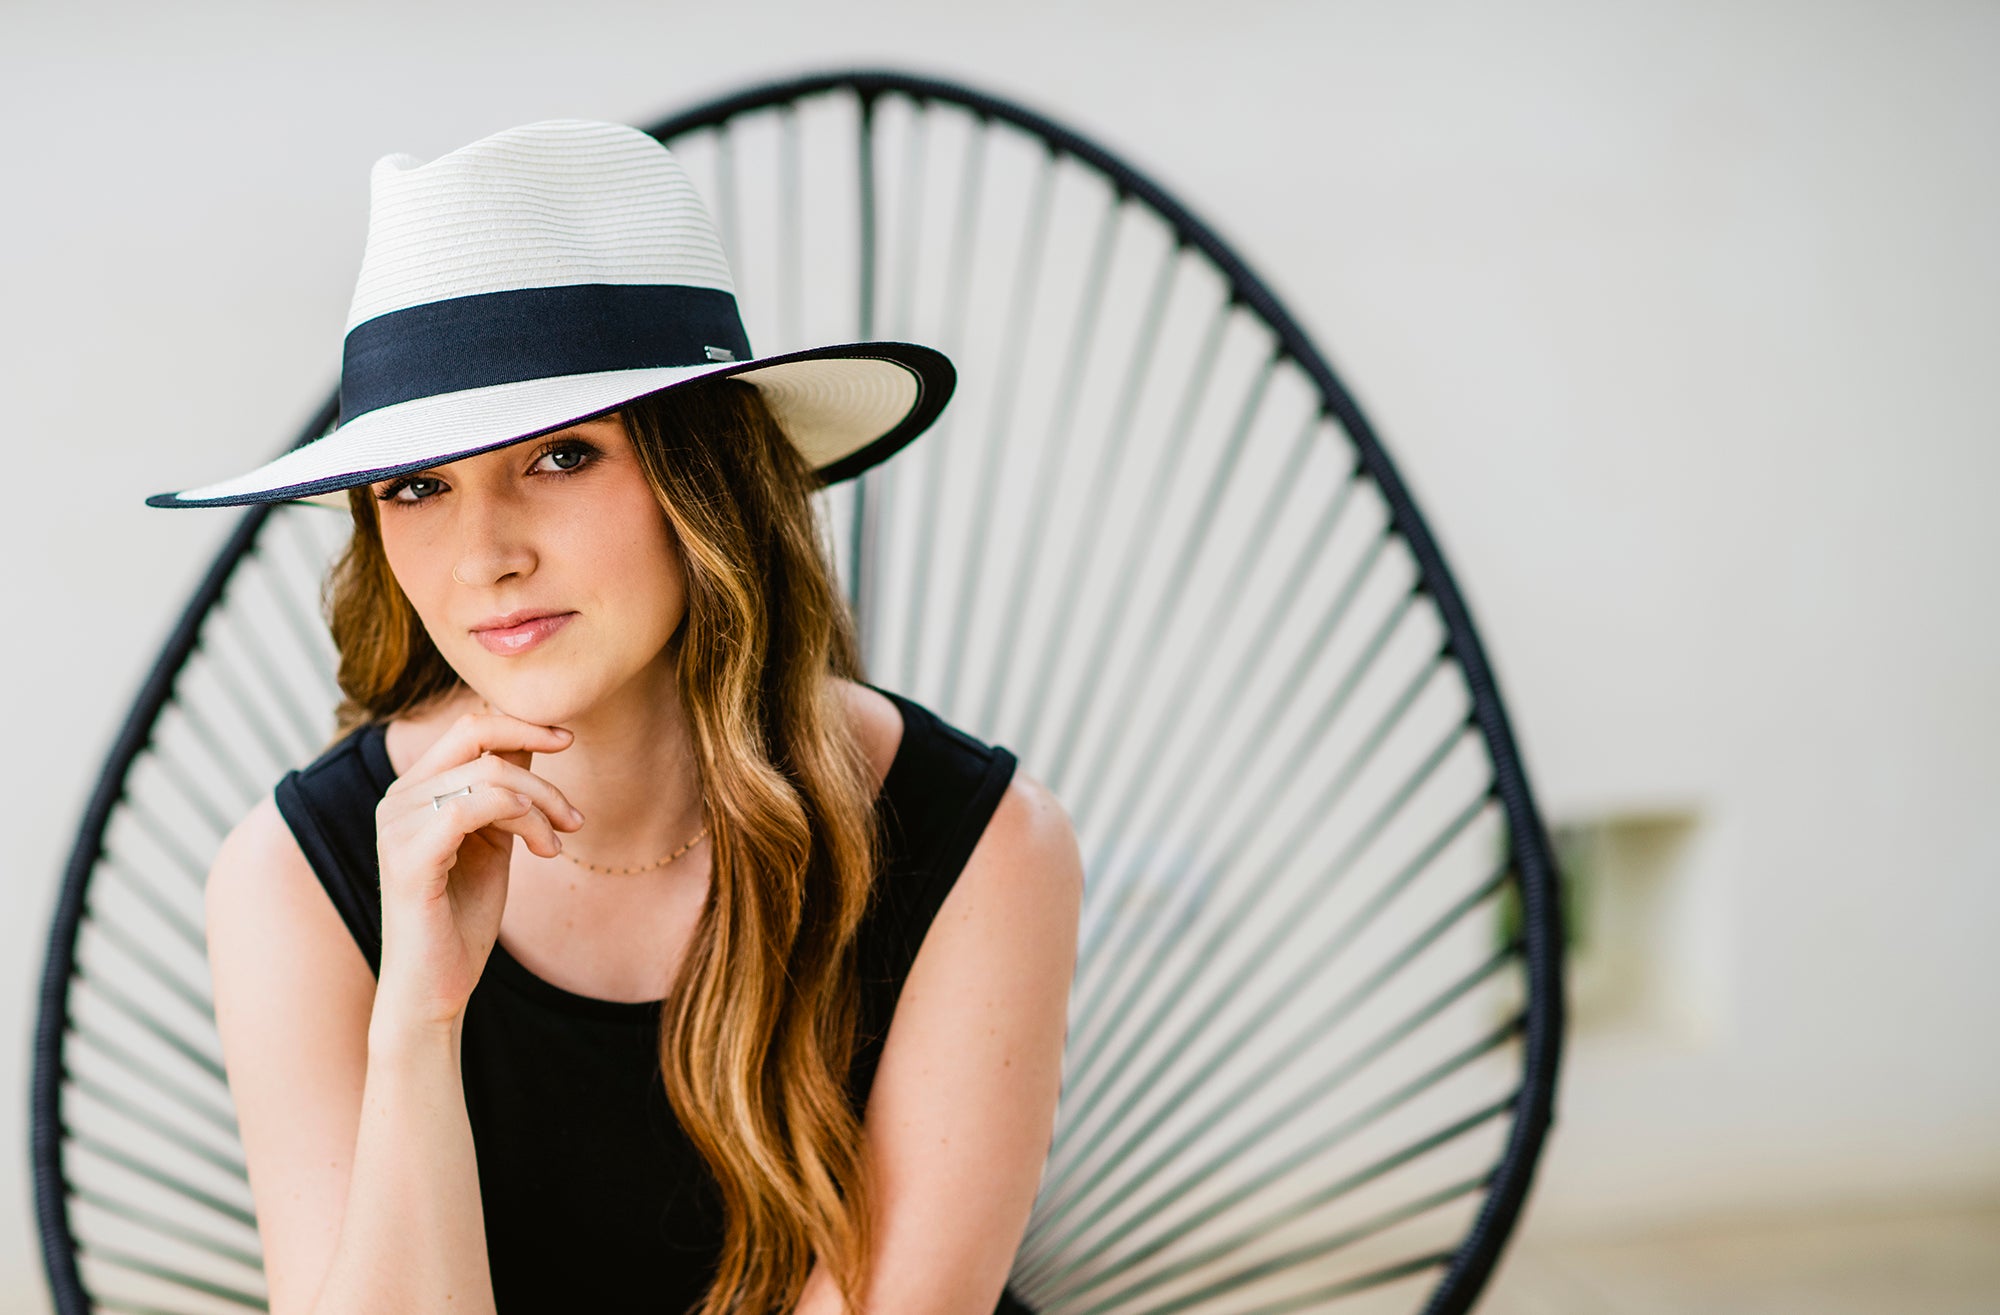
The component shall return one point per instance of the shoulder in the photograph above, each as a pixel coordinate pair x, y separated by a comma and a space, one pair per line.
1013, 908
275, 940
877, 722
261, 880
1002, 946
1028, 854
1026, 827
259, 846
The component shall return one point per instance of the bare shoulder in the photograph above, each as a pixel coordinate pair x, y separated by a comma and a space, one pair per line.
1029, 848
1019, 896
279, 953
271, 924
878, 724
259, 873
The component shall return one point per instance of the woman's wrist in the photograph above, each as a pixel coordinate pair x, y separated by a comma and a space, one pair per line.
394, 1031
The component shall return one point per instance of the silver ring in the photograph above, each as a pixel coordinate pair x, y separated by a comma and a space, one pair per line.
437, 800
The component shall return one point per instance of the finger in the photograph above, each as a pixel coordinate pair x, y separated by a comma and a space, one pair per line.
525, 820
427, 839
534, 829
492, 732
491, 769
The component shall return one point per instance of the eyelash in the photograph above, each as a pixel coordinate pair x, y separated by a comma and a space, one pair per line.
588, 450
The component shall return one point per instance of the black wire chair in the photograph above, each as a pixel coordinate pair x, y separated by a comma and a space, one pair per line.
1153, 547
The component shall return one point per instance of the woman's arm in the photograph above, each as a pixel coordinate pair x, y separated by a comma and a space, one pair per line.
962, 1111
419, 1242
335, 1110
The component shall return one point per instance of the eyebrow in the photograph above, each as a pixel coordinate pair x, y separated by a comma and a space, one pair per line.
574, 429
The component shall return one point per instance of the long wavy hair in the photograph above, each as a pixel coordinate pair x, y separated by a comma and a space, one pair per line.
758, 1034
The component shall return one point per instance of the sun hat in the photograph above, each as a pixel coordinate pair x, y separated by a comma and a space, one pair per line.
548, 274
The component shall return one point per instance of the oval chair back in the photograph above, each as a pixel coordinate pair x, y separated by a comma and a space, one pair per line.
1153, 547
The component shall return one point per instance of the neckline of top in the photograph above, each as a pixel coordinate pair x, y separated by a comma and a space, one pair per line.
515, 974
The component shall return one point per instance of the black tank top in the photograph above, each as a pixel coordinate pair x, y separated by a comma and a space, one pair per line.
594, 1198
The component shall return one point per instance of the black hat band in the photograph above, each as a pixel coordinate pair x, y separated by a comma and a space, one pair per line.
493, 338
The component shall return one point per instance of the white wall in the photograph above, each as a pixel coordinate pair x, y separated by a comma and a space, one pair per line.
1679, 318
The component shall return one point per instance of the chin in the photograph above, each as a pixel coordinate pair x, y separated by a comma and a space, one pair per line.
555, 694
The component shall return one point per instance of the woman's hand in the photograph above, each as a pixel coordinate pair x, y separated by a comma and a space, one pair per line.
444, 867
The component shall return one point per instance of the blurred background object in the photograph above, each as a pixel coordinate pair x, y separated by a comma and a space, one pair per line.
1673, 317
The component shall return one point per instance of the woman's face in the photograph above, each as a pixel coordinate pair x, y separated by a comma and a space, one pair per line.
561, 535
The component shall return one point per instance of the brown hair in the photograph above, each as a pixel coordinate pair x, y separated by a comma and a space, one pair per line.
757, 1036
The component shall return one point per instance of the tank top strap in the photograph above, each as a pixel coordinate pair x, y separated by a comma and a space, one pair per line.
330, 806
941, 790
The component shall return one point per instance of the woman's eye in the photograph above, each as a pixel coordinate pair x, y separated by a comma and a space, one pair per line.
568, 457
419, 486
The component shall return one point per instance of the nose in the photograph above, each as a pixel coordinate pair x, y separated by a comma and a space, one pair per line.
492, 546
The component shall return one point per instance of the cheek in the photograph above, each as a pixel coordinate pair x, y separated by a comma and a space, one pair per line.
417, 569
655, 543
629, 549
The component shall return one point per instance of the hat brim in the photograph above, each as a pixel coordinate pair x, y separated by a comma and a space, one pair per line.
846, 408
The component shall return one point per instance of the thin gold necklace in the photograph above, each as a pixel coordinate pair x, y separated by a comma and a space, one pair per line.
657, 863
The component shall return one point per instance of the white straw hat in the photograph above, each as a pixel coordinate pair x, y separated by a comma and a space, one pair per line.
548, 274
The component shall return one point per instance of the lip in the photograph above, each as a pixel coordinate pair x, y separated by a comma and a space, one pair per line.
517, 632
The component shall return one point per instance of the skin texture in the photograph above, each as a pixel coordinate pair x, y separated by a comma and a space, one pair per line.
367, 1105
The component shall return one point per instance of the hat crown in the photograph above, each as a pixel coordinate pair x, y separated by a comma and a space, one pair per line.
547, 274
558, 203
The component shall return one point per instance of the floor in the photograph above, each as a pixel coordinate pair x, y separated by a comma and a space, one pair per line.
1943, 1263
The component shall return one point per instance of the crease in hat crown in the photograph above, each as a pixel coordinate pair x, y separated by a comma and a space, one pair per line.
557, 203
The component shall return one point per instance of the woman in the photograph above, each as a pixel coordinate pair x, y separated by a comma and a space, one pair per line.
695, 972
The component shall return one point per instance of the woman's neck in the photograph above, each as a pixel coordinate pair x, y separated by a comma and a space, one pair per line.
632, 772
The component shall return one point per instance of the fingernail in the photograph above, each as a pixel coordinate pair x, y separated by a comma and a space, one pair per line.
522, 799
575, 813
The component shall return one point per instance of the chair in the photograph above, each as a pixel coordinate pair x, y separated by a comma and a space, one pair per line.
1153, 547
